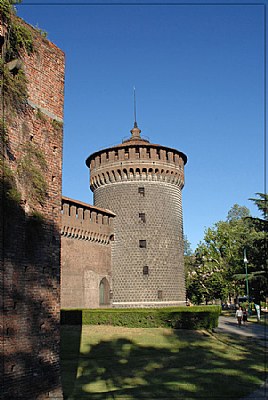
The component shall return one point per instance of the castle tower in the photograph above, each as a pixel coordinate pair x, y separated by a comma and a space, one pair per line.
141, 183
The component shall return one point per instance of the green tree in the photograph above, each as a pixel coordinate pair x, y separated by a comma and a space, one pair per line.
219, 258
256, 249
194, 286
205, 280
237, 212
217, 268
257, 252
262, 204
187, 246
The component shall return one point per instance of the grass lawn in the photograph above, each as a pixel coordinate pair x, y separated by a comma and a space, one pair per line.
105, 362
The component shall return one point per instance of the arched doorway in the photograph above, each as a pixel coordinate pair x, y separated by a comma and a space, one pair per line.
104, 292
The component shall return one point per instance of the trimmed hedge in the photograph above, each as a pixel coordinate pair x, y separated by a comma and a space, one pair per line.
195, 317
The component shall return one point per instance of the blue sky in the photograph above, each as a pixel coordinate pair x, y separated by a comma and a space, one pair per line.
199, 77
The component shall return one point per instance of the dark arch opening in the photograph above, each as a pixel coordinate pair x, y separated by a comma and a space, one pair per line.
104, 292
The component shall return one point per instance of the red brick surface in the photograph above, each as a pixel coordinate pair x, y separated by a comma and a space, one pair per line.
30, 251
85, 255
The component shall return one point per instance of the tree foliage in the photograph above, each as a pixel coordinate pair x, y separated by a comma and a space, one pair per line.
7, 9
237, 212
262, 204
187, 246
217, 268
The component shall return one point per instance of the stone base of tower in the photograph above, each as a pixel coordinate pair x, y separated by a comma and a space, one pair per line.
148, 304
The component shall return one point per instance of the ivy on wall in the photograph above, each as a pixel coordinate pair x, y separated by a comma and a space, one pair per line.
6, 10
12, 195
14, 88
56, 125
3, 131
18, 38
32, 165
30, 170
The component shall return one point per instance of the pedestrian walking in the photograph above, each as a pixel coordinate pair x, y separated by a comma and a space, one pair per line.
239, 315
245, 316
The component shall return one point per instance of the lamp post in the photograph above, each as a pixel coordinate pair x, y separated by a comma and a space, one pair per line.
247, 289
246, 268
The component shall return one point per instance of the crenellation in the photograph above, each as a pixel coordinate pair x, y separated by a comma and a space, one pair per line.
177, 159
163, 155
129, 155
111, 156
103, 158
132, 153
99, 219
94, 217
170, 156
87, 215
80, 213
73, 211
143, 153
121, 154
66, 209
84, 213
153, 154
97, 161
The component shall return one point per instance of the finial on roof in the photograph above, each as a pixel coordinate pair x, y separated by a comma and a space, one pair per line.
135, 132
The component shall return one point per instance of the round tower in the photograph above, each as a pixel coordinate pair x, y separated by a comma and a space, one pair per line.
141, 183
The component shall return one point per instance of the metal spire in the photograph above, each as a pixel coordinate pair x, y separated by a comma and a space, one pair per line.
135, 131
135, 119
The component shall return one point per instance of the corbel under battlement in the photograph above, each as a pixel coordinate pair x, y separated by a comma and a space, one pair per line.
86, 222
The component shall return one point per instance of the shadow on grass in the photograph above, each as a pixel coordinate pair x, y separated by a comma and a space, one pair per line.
69, 351
189, 366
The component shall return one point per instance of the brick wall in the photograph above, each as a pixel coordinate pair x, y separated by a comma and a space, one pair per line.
160, 207
30, 246
85, 255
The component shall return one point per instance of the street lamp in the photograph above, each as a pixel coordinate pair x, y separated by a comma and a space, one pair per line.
246, 268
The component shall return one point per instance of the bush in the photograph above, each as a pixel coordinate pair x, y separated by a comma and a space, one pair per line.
195, 317
71, 317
